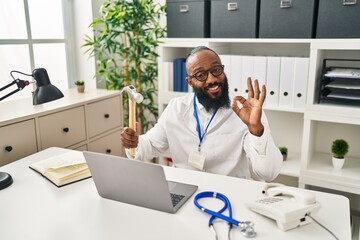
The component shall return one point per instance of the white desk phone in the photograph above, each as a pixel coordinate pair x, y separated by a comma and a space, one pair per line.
289, 206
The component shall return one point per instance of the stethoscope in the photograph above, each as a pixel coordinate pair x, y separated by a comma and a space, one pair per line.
246, 227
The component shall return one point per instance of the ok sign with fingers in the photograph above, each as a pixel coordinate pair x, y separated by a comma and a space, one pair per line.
251, 110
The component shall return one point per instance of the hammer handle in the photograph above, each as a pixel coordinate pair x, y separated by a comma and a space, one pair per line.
132, 119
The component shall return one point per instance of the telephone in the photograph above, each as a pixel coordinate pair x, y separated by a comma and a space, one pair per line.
289, 206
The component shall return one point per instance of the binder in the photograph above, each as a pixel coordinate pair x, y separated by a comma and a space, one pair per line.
260, 67
184, 84
236, 75
272, 81
247, 71
177, 79
286, 82
226, 61
300, 81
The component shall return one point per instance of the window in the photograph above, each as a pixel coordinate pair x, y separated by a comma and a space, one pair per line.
34, 34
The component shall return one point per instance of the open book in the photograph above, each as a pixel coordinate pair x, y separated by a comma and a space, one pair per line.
64, 168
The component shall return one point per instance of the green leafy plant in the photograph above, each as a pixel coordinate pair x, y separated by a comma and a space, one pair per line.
283, 150
79, 82
126, 36
339, 148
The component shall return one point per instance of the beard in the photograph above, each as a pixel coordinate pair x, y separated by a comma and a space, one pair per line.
210, 103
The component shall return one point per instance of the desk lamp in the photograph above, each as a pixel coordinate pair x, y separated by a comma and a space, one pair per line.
44, 92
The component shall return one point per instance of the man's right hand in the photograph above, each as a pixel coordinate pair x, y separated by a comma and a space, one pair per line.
129, 138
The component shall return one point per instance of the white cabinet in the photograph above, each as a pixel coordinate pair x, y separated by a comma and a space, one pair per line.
83, 121
307, 131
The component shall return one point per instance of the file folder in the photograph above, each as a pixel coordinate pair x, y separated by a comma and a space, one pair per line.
300, 81
272, 81
286, 82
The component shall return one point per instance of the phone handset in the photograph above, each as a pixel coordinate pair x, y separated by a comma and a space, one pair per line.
300, 195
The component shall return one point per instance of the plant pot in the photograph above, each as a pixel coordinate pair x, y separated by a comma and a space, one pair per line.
284, 157
338, 163
80, 88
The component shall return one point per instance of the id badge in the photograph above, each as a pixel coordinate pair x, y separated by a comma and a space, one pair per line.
196, 160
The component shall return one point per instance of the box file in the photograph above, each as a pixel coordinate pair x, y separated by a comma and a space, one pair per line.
234, 18
236, 76
287, 18
272, 81
188, 19
338, 19
300, 82
286, 82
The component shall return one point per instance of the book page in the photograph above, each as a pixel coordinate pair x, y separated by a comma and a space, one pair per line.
59, 161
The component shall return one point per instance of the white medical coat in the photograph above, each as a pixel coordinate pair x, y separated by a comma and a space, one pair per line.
229, 147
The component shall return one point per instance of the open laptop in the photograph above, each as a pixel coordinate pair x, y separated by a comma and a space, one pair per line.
136, 182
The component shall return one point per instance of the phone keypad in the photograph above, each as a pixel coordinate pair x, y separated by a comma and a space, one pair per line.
270, 200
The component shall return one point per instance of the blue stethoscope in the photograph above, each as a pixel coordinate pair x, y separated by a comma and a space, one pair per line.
246, 227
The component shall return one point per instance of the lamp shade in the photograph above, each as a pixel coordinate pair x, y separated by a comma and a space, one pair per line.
45, 91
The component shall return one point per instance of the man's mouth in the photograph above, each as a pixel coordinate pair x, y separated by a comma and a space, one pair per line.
214, 88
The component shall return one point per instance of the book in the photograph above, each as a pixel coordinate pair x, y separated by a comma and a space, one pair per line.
64, 168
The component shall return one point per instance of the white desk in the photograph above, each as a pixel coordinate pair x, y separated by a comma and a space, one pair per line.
34, 209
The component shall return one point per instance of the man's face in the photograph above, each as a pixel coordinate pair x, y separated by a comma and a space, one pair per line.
212, 93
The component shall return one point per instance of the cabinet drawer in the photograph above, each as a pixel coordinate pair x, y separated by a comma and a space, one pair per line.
104, 115
17, 141
63, 129
109, 144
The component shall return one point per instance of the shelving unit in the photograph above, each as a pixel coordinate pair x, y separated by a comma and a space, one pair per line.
308, 132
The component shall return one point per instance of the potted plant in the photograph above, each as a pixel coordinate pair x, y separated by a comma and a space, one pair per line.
284, 152
339, 149
124, 45
80, 85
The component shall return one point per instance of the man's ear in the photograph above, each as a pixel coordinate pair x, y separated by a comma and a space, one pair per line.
189, 81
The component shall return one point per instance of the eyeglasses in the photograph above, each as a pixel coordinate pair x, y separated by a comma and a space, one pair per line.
202, 76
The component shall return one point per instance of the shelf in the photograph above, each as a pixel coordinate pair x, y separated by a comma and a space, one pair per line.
291, 167
320, 172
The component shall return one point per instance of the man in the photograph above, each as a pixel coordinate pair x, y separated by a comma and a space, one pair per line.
202, 132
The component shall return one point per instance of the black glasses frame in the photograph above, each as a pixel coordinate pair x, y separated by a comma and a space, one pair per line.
211, 70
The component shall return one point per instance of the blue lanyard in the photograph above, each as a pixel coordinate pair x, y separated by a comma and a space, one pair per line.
246, 227
201, 136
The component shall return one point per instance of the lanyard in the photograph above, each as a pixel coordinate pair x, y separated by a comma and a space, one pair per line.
201, 136
246, 227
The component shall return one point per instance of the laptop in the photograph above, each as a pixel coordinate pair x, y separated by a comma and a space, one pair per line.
136, 182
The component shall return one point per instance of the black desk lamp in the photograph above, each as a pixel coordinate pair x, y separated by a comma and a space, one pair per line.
44, 92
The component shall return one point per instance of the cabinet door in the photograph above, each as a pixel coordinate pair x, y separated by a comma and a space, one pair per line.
17, 141
63, 129
104, 115
109, 144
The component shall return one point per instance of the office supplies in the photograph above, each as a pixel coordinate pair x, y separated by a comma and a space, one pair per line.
289, 206
63, 169
245, 227
136, 182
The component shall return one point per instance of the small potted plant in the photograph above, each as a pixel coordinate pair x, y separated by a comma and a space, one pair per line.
339, 149
80, 84
284, 152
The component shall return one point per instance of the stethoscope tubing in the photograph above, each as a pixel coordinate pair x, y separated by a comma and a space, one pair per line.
218, 214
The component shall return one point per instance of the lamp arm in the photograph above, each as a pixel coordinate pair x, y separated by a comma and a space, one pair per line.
20, 84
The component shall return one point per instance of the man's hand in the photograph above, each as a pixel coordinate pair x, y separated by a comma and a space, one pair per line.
129, 138
251, 110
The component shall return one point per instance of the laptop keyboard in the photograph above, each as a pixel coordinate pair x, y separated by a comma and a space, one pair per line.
176, 198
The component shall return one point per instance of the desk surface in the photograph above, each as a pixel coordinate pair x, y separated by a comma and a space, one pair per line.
33, 208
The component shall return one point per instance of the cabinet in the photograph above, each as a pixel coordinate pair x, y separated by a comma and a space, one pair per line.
307, 131
87, 121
